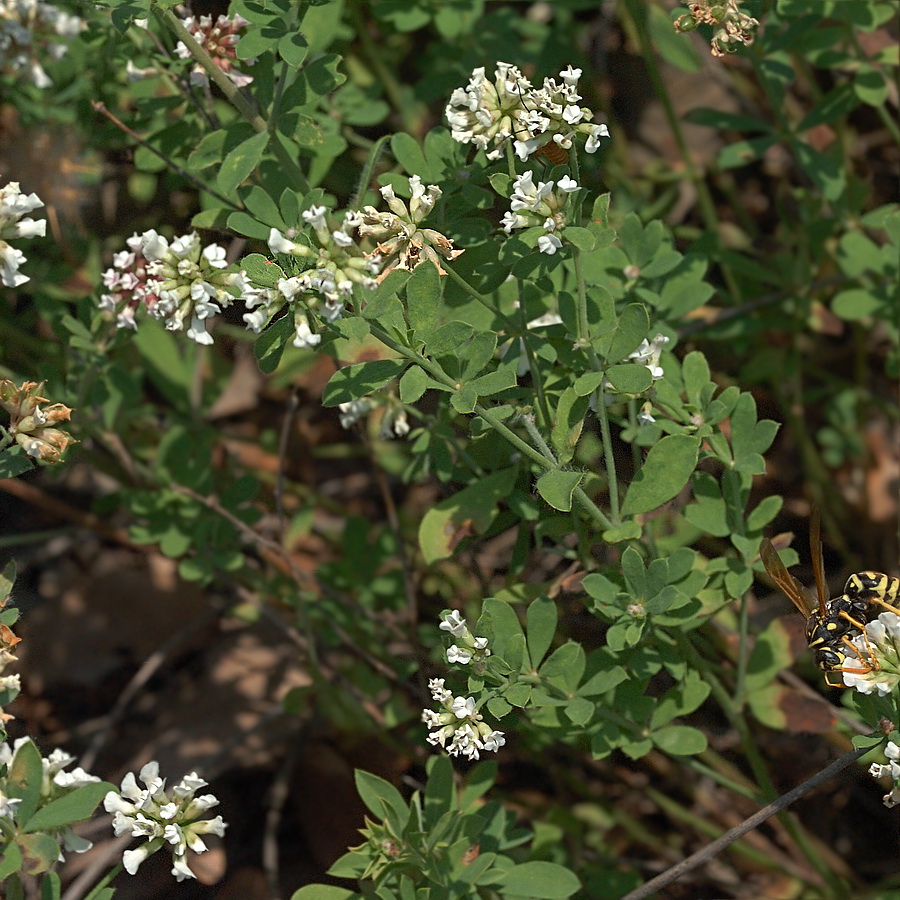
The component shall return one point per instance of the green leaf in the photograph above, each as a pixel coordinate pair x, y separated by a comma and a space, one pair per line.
469, 511
440, 793
557, 487
7, 580
381, 798
464, 400
10, 862
709, 513
539, 879
23, 781
409, 154
14, 461
582, 238
501, 379
40, 852
566, 663
739, 153
826, 174
413, 384
676, 49
540, 627
423, 298
293, 48
568, 423
270, 345
870, 85
261, 271
627, 531
663, 474
680, 740
353, 382
630, 330
449, 337
770, 654
630, 378
477, 354
322, 74
325, 892
240, 162
580, 711
500, 624
857, 303
73, 807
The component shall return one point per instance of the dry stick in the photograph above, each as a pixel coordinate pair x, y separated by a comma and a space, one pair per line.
390, 508
710, 850
277, 798
41, 499
284, 437
100, 107
151, 665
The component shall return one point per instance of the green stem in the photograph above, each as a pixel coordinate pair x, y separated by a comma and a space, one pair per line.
637, 12
537, 376
755, 758
608, 456
508, 324
545, 462
234, 96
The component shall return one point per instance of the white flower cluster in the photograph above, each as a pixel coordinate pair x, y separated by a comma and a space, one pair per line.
489, 113
126, 282
468, 647
732, 27
13, 205
28, 31
55, 783
460, 723
34, 426
648, 354
892, 769
879, 657
394, 421
402, 243
218, 39
539, 205
184, 279
338, 264
163, 818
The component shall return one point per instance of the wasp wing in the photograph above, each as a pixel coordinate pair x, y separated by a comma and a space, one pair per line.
815, 550
792, 588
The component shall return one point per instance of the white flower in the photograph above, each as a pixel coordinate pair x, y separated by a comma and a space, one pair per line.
877, 669
454, 623
352, 411
549, 244
13, 206
457, 655
649, 352
162, 817
304, 337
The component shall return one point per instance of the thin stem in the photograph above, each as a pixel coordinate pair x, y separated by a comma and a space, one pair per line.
754, 821
100, 107
637, 12
235, 96
608, 456
484, 301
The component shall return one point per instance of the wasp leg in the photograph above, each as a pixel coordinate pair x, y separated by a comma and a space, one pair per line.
845, 640
887, 606
870, 663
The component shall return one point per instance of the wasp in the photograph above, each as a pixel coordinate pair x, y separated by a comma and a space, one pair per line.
830, 624
874, 588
